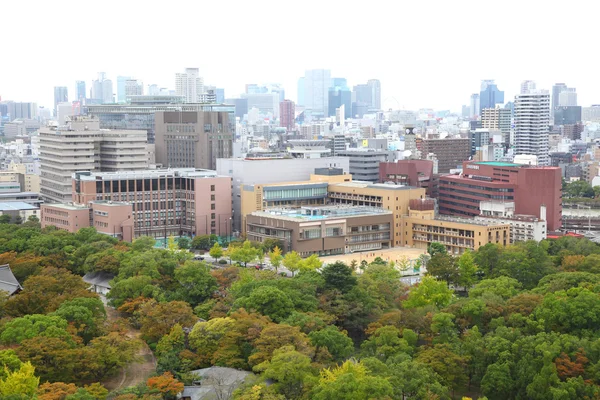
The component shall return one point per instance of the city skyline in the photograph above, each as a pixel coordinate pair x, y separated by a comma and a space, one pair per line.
421, 82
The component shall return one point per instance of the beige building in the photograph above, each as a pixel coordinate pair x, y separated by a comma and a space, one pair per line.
323, 230
82, 146
420, 228
110, 218
192, 139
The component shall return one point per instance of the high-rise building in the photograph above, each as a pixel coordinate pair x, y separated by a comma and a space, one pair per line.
193, 139
80, 91
567, 98
339, 94
526, 86
102, 89
497, 119
287, 115
133, 87
60, 96
316, 90
300, 91
474, 106
450, 152
190, 85
266, 103
364, 163
557, 88
17, 110
489, 96
567, 115
375, 87
220, 92
121, 88
532, 123
82, 146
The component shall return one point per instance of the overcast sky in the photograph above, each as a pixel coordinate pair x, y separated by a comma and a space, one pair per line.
426, 53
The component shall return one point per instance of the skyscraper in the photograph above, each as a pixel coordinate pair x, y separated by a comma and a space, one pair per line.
300, 91
567, 98
102, 89
121, 88
60, 96
81, 94
489, 95
526, 86
287, 114
532, 121
339, 95
133, 87
190, 85
375, 86
499, 119
474, 106
316, 90
557, 88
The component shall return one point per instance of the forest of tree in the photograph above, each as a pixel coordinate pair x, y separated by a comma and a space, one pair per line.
521, 322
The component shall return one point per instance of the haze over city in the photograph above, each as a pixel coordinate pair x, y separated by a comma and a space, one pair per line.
431, 54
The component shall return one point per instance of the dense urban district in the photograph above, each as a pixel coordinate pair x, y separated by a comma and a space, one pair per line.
502, 322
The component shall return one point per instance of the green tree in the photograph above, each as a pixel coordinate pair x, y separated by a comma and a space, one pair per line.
196, 282
269, 301
443, 326
413, 380
435, 248
339, 276
184, 242
337, 343
385, 343
502, 286
443, 266
245, 253
311, 263
580, 188
33, 218
30, 326
467, 270
269, 244
204, 242
132, 288
86, 314
216, 251
5, 219
275, 257
22, 382
428, 292
351, 381
497, 383
292, 262
291, 371
447, 364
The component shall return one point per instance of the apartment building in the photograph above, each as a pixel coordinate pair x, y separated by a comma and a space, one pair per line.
82, 146
497, 119
323, 230
450, 152
167, 202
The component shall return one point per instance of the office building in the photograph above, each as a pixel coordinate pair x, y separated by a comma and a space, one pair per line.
193, 139
121, 83
528, 187
567, 98
367, 95
18, 110
240, 107
498, 119
323, 230
416, 173
80, 91
375, 87
287, 115
557, 88
266, 103
567, 115
263, 170
522, 227
532, 122
139, 113
190, 85
449, 152
339, 95
166, 202
102, 89
490, 95
591, 114
480, 137
474, 106
82, 146
60, 96
421, 228
527, 86
364, 162
133, 87
316, 90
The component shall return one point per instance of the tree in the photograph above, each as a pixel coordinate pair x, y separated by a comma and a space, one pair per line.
497, 383
436, 248
184, 242
33, 218
291, 371
311, 263
131, 288
275, 257
5, 219
269, 244
580, 188
274, 336
113, 352
269, 301
443, 267
22, 382
443, 325
196, 282
351, 381
292, 261
86, 314
166, 385
411, 379
244, 254
428, 292
157, 318
385, 343
467, 270
8, 362
216, 251
55, 391
337, 343
447, 364
339, 276
30, 326
206, 336
502, 286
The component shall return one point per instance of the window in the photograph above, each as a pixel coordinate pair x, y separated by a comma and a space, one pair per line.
212, 206
212, 188
212, 216
212, 197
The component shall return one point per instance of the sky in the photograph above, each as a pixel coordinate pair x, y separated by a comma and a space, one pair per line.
427, 54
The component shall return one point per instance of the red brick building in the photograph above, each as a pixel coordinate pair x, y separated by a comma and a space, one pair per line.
417, 173
528, 186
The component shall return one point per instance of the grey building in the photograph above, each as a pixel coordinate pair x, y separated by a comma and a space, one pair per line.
60, 96
567, 115
80, 91
489, 95
192, 139
364, 163
479, 138
270, 170
339, 94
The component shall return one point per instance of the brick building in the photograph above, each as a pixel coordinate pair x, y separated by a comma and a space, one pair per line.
450, 152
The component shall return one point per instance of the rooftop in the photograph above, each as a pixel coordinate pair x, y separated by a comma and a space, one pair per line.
16, 206
470, 221
68, 206
364, 184
321, 213
153, 173
8, 282
498, 164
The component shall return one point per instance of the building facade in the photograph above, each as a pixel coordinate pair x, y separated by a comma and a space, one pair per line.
532, 122
190, 85
323, 230
316, 89
287, 115
497, 119
450, 152
192, 139
490, 95
364, 162
61, 95
416, 173
528, 187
